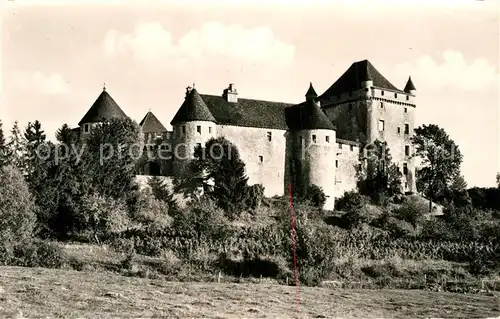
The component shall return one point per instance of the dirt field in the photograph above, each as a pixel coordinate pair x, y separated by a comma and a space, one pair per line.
28, 292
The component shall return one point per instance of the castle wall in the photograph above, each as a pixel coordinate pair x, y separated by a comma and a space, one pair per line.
252, 143
346, 164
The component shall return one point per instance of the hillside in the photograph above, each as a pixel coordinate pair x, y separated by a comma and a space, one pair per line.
39, 292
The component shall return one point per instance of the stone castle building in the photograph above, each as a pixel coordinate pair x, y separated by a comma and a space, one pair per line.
320, 141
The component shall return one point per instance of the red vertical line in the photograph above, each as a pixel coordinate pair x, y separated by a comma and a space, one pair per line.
294, 249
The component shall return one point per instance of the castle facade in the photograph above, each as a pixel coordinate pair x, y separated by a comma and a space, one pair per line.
320, 141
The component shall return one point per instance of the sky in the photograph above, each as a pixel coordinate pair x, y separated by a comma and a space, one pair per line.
56, 57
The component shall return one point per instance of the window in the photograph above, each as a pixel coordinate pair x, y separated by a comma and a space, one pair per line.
407, 150
198, 129
381, 105
261, 158
209, 130
327, 138
407, 128
336, 163
407, 97
381, 125
86, 128
399, 130
340, 146
382, 93
395, 95
406, 110
405, 168
351, 147
183, 130
314, 138
269, 136
406, 184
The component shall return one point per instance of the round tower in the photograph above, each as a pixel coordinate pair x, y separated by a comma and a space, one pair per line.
314, 152
410, 90
193, 126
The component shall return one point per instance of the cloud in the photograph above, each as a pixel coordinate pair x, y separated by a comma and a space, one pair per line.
46, 84
150, 42
453, 71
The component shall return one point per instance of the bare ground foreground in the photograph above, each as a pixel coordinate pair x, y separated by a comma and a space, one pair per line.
37, 292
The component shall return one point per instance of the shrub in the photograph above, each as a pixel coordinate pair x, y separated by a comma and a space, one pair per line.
151, 211
102, 216
253, 197
203, 219
40, 253
351, 201
412, 211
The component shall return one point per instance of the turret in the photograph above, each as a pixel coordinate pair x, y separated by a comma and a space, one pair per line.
312, 139
410, 87
193, 125
104, 108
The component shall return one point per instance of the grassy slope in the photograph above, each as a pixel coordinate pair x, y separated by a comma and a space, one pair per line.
62, 293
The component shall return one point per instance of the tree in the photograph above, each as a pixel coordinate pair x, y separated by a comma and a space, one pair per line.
441, 159
17, 217
110, 156
66, 135
218, 169
17, 148
161, 191
379, 177
3, 148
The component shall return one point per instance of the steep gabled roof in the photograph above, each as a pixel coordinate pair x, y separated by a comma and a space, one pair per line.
409, 86
103, 108
193, 109
151, 124
247, 112
352, 78
307, 116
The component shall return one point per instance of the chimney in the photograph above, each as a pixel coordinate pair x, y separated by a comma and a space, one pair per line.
230, 94
188, 90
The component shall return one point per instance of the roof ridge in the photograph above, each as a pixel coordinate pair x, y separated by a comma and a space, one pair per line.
249, 99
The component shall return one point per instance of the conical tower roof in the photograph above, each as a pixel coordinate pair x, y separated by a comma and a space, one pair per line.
193, 109
151, 124
103, 108
409, 86
307, 116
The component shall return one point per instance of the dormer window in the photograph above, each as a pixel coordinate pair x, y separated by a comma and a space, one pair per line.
86, 128
395, 95
382, 93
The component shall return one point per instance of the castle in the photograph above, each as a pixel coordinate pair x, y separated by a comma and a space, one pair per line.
317, 142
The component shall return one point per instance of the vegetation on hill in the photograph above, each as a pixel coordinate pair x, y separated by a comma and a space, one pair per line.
377, 238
